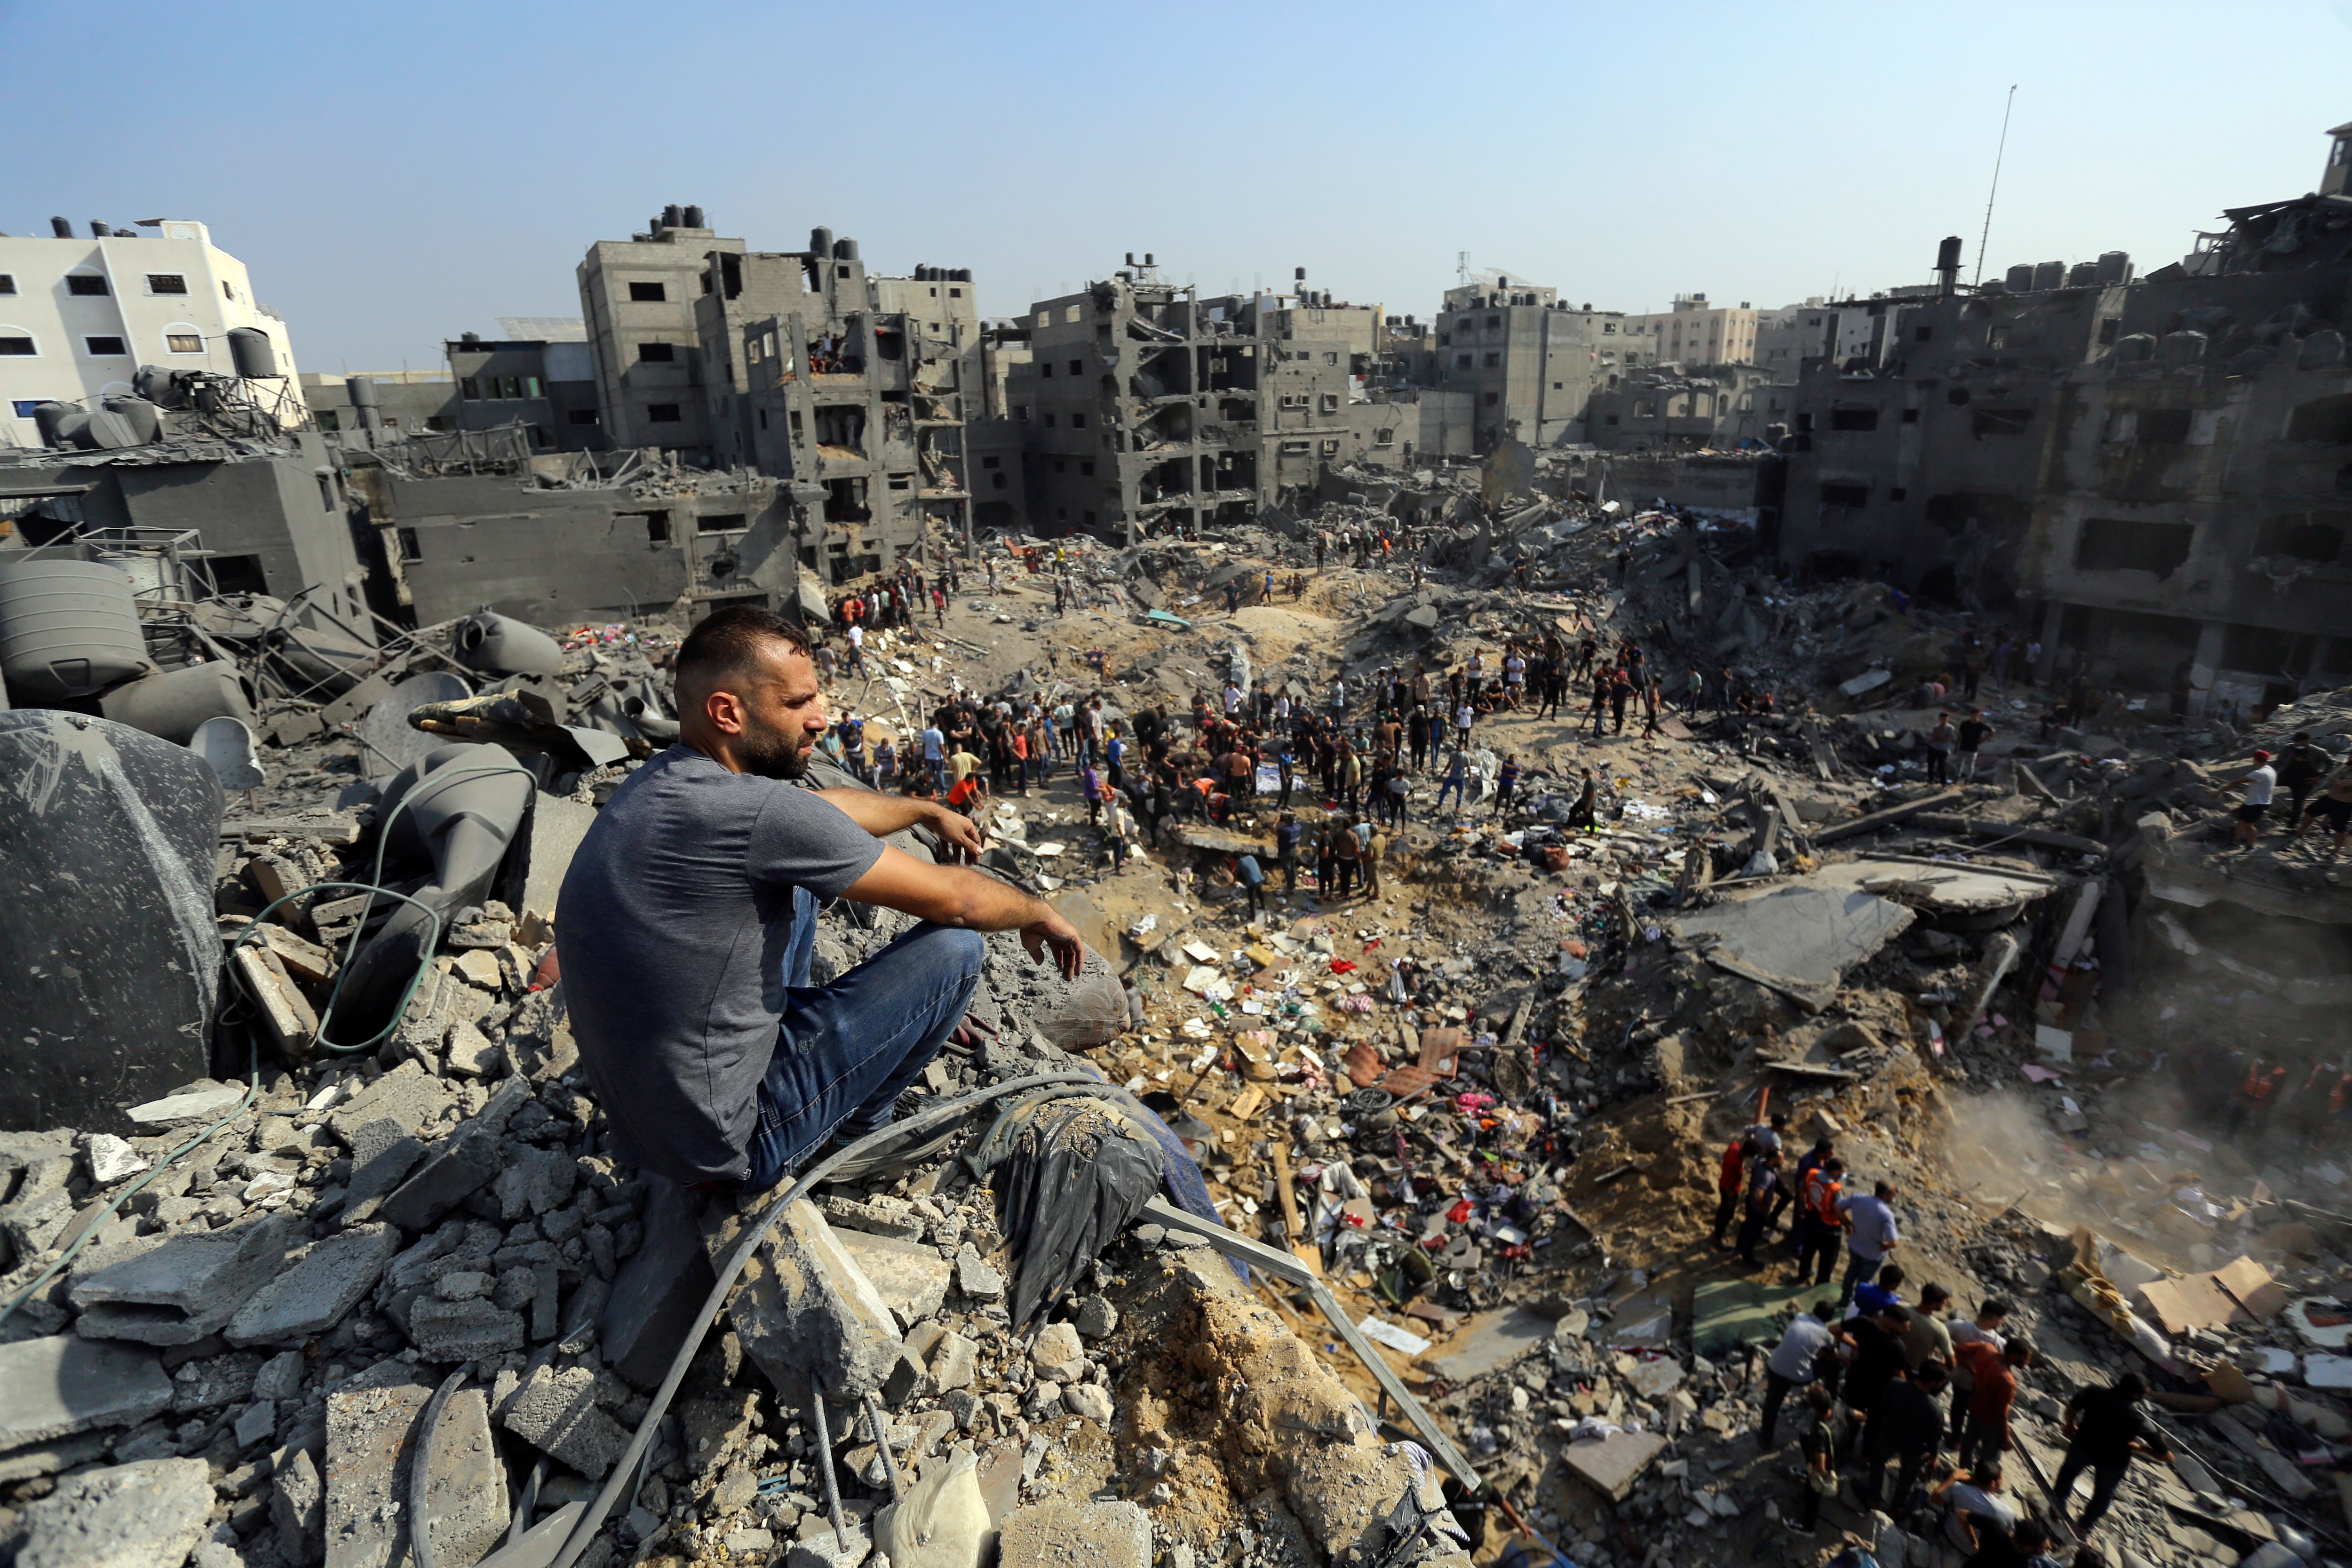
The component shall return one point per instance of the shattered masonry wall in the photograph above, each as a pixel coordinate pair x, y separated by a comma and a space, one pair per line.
1931, 464
2174, 491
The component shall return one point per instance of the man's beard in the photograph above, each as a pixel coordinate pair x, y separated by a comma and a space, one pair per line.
776, 753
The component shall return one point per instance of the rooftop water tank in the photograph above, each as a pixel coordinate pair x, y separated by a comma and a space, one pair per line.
2049, 274
2020, 279
821, 242
844, 250
67, 628
2082, 275
250, 352
2115, 266
694, 218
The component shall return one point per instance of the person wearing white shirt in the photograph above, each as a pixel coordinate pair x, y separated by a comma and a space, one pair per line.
2260, 783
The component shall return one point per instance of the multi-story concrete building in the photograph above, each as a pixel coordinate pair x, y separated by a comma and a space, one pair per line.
1696, 332
406, 400
1528, 360
2192, 529
80, 314
547, 387
1142, 407
1916, 456
1677, 408
854, 391
637, 297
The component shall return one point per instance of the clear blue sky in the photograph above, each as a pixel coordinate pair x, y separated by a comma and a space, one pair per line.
396, 174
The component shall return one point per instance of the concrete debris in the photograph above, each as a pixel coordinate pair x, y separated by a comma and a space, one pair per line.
1475, 1069
121, 1516
58, 1385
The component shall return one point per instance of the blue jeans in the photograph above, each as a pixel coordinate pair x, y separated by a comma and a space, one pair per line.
845, 1051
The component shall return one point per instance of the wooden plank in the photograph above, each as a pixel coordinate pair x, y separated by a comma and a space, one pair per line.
1889, 818
338, 830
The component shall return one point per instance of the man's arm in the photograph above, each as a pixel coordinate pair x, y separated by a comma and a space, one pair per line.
958, 896
883, 815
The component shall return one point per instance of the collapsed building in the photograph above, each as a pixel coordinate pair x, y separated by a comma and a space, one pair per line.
2149, 473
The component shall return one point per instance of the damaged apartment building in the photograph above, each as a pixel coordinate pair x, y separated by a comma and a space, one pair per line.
1139, 408
2154, 475
846, 389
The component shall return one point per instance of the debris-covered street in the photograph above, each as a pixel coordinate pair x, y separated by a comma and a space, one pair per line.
1368, 1213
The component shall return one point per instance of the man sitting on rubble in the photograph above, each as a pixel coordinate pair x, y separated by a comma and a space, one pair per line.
690, 912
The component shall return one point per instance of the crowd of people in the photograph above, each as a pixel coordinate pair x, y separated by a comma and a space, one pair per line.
1914, 1388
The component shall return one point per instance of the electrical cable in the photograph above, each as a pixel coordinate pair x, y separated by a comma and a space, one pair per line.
91, 1226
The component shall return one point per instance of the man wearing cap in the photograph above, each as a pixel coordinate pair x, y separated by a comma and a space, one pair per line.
2262, 784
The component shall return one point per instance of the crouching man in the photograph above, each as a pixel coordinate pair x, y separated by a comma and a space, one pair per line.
689, 913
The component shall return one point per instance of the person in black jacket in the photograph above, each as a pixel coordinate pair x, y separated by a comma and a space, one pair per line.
2103, 1429
1907, 1425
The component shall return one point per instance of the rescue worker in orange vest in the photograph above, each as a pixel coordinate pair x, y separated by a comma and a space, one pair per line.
2255, 1095
1818, 1220
1728, 1181
2336, 1095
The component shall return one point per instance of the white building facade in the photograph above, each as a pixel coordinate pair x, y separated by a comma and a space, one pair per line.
79, 315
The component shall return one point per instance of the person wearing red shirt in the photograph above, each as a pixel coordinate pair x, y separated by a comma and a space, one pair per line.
1987, 1437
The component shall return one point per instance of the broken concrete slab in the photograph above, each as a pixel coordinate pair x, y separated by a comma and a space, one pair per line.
196, 1105
1060, 1535
659, 1289
1488, 1341
458, 1165
558, 824
63, 1384
125, 1516
407, 1094
978, 1278
370, 1441
1613, 1464
469, 1329
1798, 939
187, 1288
315, 1293
383, 1155
804, 1306
911, 1279
466, 1489
298, 1508
556, 1413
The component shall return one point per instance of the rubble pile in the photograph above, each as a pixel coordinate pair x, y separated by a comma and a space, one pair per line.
1471, 1115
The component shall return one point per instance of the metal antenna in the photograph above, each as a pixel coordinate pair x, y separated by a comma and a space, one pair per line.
2007, 104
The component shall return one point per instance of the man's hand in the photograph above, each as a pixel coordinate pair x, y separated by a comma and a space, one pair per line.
962, 834
1054, 932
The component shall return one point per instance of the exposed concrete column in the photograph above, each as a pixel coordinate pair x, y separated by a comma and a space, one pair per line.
2203, 666
2053, 621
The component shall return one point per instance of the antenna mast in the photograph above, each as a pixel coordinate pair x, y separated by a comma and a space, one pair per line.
2007, 104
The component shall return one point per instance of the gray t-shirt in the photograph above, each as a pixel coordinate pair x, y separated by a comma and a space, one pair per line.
673, 924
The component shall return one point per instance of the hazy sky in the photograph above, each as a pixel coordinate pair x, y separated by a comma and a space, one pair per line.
396, 174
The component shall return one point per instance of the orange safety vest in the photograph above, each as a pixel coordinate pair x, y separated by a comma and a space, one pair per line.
2259, 1084
1822, 1192
2336, 1096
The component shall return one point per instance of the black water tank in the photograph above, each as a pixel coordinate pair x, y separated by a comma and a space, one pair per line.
844, 250
146, 420
821, 242
61, 227
98, 230
1947, 254
694, 218
962, 275
109, 832
673, 216
250, 352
